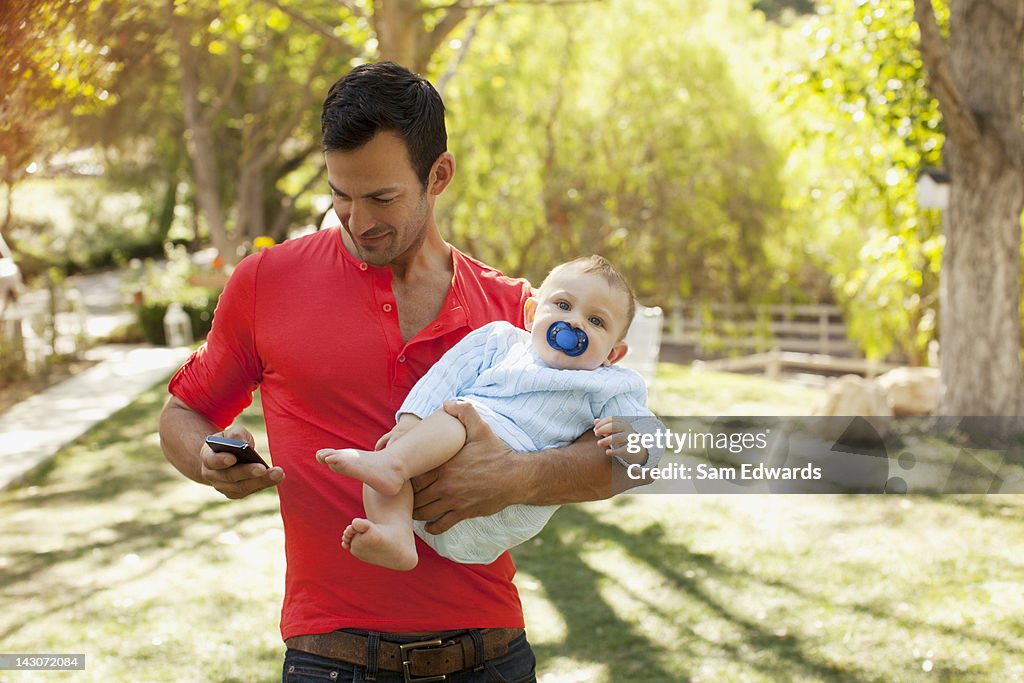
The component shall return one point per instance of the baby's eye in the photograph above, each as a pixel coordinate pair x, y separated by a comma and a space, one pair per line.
595, 321
564, 305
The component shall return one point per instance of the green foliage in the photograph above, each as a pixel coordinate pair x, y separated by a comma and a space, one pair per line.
712, 154
861, 125
641, 148
81, 224
49, 73
784, 9
161, 285
198, 304
13, 362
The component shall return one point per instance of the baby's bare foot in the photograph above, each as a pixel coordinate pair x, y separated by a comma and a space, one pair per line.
373, 468
380, 544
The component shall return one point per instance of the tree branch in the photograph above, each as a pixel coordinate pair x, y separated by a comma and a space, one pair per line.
452, 18
453, 66
296, 160
355, 9
961, 125
298, 109
318, 26
228, 87
284, 214
491, 4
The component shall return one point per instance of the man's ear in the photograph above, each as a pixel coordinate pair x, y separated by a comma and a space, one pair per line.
529, 313
617, 353
441, 173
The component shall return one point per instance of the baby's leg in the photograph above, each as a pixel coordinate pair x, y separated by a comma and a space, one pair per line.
428, 444
386, 538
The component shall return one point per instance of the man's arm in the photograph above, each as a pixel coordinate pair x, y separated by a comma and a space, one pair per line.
487, 476
183, 432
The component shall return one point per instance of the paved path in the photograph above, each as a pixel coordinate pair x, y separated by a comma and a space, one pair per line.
33, 431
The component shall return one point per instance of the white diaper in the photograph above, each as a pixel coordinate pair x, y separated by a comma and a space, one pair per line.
480, 540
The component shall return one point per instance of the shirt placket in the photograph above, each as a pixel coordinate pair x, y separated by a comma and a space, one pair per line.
387, 313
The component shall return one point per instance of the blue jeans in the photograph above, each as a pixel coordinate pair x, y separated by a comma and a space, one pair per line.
518, 665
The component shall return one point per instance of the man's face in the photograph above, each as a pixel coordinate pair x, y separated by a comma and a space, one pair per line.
382, 205
585, 301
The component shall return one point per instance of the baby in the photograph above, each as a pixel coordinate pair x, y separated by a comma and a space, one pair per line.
537, 389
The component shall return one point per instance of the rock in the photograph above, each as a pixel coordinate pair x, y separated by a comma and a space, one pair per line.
853, 396
911, 391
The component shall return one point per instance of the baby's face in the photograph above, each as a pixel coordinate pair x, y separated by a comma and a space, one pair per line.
587, 302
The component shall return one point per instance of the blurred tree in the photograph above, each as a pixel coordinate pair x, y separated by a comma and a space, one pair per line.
640, 148
861, 124
250, 75
784, 9
976, 75
47, 76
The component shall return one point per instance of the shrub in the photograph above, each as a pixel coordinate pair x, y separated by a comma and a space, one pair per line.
199, 308
157, 286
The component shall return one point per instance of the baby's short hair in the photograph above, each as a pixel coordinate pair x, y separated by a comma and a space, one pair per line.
601, 266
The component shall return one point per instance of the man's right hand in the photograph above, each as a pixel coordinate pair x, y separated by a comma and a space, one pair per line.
220, 470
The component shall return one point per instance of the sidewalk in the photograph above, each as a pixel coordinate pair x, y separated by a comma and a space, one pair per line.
34, 430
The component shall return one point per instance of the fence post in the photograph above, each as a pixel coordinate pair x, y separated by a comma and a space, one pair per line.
13, 361
823, 315
773, 368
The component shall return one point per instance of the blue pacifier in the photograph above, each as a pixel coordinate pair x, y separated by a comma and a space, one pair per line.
569, 340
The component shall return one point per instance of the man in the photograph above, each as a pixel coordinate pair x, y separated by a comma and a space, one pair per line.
335, 328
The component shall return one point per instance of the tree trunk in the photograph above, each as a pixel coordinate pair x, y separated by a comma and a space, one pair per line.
978, 79
402, 36
199, 142
251, 218
980, 291
8, 209
396, 23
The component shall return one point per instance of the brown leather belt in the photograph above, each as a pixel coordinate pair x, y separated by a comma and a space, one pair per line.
432, 658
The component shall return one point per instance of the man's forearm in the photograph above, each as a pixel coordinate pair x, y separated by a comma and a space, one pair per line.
182, 431
576, 473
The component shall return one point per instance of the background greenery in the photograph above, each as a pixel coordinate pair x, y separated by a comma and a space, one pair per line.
717, 151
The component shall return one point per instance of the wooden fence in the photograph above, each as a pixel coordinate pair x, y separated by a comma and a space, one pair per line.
734, 329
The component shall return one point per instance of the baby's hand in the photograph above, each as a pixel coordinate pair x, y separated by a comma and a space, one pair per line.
613, 433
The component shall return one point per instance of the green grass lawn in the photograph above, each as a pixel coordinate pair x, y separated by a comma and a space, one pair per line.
111, 553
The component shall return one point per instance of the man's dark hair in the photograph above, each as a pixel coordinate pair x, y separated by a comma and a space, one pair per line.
384, 96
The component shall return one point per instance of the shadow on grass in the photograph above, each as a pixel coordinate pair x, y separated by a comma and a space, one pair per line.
91, 481
137, 536
996, 506
574, 588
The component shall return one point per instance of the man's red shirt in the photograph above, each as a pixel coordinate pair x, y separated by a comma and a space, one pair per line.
316, 329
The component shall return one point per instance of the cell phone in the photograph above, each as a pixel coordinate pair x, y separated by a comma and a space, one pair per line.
242, 451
